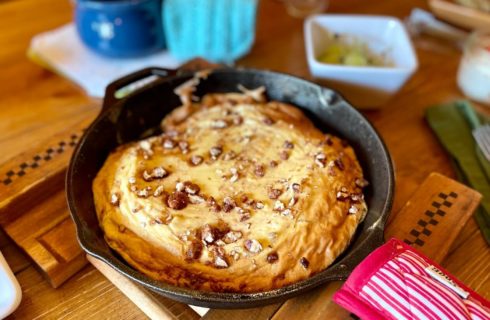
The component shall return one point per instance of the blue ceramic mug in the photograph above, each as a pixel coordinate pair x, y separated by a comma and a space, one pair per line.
120, 28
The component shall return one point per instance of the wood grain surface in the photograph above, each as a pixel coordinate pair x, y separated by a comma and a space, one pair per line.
34, 103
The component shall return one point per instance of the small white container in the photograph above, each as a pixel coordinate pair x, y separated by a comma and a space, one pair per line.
10, 293
366, 86
474, 68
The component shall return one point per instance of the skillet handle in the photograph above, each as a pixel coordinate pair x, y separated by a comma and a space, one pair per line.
131, 82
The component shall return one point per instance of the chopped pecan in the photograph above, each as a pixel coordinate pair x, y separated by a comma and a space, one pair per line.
279, 206
131, 180
195, 199
293, 201
230, 155
184, 146
328, 140
268, 121
143, 193
169, 143
272, 257
194, 251
321, 159
361, 183
253, 246
284, 155
274, 193
232, 236
244, 215
220, 262
288, 144
219, 124
215, 152
177, 200
158, 191
340, 164
213, 204
238, 120
115, 199
286, 212
296, 187
304, 262
191, 188
356, 197
259, 205
273, 164
156, 173
259, 170
209, 233
196, 160
343, 194
228, 204
353, 209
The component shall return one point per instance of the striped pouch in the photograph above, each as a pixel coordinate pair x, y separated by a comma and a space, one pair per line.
397, 282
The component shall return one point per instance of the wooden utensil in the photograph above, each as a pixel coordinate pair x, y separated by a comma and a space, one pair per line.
430, 221
460, 15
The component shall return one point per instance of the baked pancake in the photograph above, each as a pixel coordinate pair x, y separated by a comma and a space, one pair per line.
237, 195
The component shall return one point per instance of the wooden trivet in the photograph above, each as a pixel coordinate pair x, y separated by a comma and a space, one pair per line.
33, 210
430, 221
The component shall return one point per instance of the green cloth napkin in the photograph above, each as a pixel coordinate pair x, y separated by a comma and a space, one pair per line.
453, 124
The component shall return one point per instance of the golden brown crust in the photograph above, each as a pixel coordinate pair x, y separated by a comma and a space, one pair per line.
236, 196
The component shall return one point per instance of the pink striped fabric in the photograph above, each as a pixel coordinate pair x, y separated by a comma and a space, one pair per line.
394, 282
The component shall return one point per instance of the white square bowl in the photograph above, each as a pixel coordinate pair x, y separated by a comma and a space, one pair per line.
367, 86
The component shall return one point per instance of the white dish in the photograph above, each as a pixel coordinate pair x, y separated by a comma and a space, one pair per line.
366, 86
10, 293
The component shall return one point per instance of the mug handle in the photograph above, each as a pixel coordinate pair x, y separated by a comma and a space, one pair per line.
110, 92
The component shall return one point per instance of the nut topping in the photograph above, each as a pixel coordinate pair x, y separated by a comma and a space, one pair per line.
115, 199
321, 159
361, 183
279, 206
253, 246
208, 234
293, 201
273, 164
304, 262
177, 200
211, 202
356, 197
268, 121
196, 160
158, 191
169, 143
191, 188
157, 173
259, 170
131, 180
143, 193
353, 209
220, 262
284, 155
272, 257
288, 144
215, 152
184, 146
219, 124
195, 199
342, 195
338, 162
328, 140
274, 193
230, 155
259, 205
228, 204
232, 236
296, 187
238, 120
194, 251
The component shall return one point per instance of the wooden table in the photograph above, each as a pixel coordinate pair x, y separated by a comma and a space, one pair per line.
35, 102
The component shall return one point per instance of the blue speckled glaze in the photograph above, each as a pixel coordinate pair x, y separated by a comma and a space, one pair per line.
120, 28
217, 30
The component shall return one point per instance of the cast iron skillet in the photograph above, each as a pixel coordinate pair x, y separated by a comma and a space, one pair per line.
139, 115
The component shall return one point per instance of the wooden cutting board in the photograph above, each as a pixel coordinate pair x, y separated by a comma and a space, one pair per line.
430, 221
